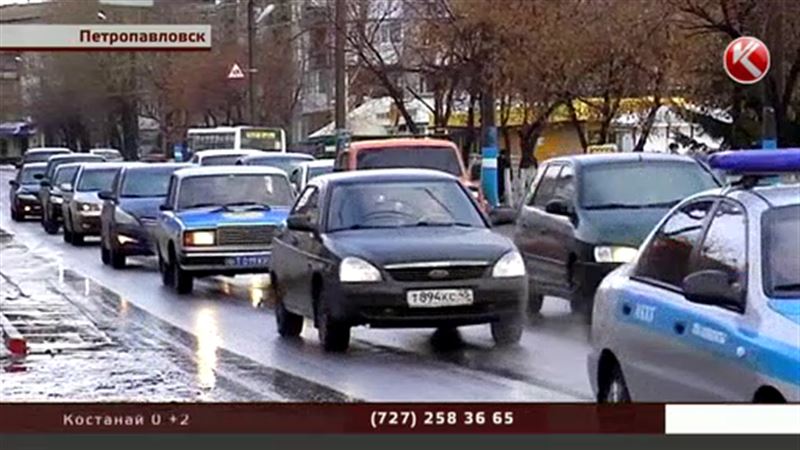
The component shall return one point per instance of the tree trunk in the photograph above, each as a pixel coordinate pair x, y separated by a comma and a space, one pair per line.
469, 142
578, 126
648, 125
130, 130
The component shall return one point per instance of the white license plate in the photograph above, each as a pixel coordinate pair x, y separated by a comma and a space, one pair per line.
436, 298
247, 261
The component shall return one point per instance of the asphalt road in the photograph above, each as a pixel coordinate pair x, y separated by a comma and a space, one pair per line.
233, 320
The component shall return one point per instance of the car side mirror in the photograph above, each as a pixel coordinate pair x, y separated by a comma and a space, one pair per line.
105, 195
558, 207
44, 184
13, 183
65, 187
712, 287
165, 207
300, 222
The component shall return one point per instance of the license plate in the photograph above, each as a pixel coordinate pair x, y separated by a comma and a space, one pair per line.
436, 298
247, 261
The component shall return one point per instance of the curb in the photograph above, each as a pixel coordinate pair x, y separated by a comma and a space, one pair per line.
12, 338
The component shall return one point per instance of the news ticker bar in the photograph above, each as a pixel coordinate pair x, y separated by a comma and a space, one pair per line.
395, 418
87, 37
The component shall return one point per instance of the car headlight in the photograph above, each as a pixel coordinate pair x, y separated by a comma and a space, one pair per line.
614, 254
88, 207
56, 200
510, 265
199, 238
356, 270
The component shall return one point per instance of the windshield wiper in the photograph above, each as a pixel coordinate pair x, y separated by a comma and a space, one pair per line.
249, 205
787, 287
203, 205
425, 223
627, 206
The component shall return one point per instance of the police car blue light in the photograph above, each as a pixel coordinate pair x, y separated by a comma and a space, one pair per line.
757, 161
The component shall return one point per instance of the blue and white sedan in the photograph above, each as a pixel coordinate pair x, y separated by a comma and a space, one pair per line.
710, 309
220, 221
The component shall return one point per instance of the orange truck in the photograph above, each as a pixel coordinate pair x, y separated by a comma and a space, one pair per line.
422, 153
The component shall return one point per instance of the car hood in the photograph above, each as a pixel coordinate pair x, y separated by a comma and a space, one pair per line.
141, 207
29, 189
211, 218
618, 226
408, 245
86, 197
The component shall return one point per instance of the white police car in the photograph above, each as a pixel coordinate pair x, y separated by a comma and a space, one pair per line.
710, 309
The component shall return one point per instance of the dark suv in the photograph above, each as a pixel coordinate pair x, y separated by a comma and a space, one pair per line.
585, 215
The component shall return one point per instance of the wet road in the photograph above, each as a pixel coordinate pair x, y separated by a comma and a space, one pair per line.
223, 340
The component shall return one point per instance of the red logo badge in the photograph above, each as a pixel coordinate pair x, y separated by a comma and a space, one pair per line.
746, 60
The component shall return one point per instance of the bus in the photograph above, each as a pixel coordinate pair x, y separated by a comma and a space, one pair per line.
259, 138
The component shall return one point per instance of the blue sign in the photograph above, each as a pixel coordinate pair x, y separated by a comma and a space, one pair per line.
489, 174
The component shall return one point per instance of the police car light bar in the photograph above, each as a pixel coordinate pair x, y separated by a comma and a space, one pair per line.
757, 162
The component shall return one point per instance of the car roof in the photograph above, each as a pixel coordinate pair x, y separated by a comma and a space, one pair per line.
48, 150
103, 150
75, 156
776, 195
34, 165
194, 171
383, 175
318, 163
401, 142
103, 165
146, 167
225, 152
278, 155
617, 158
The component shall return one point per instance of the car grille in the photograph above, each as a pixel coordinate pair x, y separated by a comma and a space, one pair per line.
255, 235
437, 273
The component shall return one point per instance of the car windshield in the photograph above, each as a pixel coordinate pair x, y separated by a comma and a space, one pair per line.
107, 153
234, 190
437, 158
53, 165
401, 204
96, 180
147, 183
781, 247
221, 160
285, 164
642, 184
27, 174
314, 172
65, 175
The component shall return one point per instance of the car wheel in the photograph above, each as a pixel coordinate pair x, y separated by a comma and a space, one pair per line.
117, 259
67, 233
507, 331
334, 336
166, 271
615, 390
289, 324
104, 254
50, 227
76, 239
535, 304
181, 280
15, 216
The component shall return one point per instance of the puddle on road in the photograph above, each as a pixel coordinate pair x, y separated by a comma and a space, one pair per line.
89, 344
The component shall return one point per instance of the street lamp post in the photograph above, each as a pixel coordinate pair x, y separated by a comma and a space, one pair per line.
251, 24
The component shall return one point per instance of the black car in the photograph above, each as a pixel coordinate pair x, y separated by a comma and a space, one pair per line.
587, 214
24, 193
42, 154
53, 195
394, 248
51, 215
130, 211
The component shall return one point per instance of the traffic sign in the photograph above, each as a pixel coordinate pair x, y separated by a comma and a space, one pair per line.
236, 72
746, 60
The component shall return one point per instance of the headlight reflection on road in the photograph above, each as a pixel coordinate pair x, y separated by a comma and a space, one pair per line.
207, 332
256, 296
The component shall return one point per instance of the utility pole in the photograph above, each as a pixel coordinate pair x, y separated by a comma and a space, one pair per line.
339, 67
251, 71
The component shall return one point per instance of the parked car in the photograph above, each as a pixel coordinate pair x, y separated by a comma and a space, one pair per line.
51, 214
587, 214
221, 157
42, 154
394, 248
82, 206
435, 154
220, 221
110, 154
24, 192
309, 170
130, 211
284, 161
708, 312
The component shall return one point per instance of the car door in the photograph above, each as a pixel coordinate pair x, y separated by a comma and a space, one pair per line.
296, 255
715, 351
649, 310
537, 235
